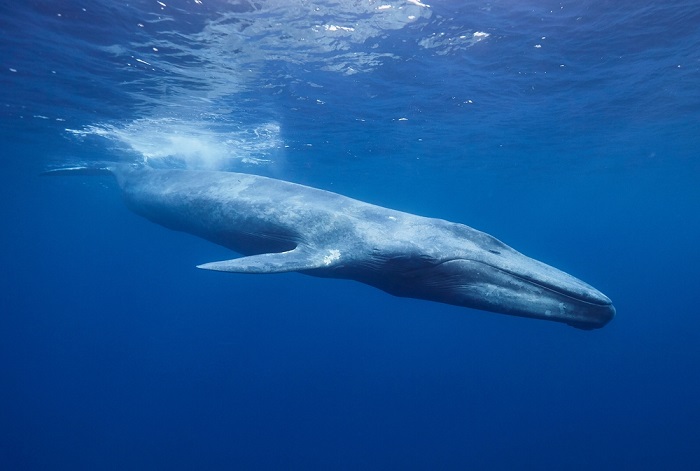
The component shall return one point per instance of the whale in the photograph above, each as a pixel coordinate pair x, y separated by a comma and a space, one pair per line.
278, 226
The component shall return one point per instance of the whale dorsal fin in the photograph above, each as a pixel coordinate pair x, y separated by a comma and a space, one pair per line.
299, 259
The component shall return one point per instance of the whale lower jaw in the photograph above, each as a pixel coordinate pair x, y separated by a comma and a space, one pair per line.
540, 292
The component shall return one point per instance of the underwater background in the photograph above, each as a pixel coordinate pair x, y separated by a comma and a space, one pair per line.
569, 130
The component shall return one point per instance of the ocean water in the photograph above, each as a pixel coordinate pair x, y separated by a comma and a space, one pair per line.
569, 130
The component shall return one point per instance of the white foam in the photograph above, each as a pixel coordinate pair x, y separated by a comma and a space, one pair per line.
191, 144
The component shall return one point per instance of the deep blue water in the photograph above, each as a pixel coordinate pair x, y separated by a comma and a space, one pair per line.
569, 130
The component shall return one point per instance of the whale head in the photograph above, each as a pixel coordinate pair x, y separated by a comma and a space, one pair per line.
522, 286
484, 273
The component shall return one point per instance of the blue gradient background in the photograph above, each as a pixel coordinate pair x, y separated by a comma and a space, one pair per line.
116, 353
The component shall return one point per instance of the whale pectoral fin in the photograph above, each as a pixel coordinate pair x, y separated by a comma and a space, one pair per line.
299, 259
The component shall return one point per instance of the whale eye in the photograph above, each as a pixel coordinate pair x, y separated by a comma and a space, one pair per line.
495, 251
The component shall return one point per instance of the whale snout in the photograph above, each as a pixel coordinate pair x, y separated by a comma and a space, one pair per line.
580, 305
595, 318
520, 286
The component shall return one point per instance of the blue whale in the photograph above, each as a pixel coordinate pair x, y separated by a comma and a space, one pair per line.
280, 226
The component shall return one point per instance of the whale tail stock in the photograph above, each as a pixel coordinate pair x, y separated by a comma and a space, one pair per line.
301, 258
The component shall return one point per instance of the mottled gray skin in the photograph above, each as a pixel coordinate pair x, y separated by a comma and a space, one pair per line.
280, 227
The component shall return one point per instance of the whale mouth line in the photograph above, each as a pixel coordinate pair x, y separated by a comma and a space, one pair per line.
535, 283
